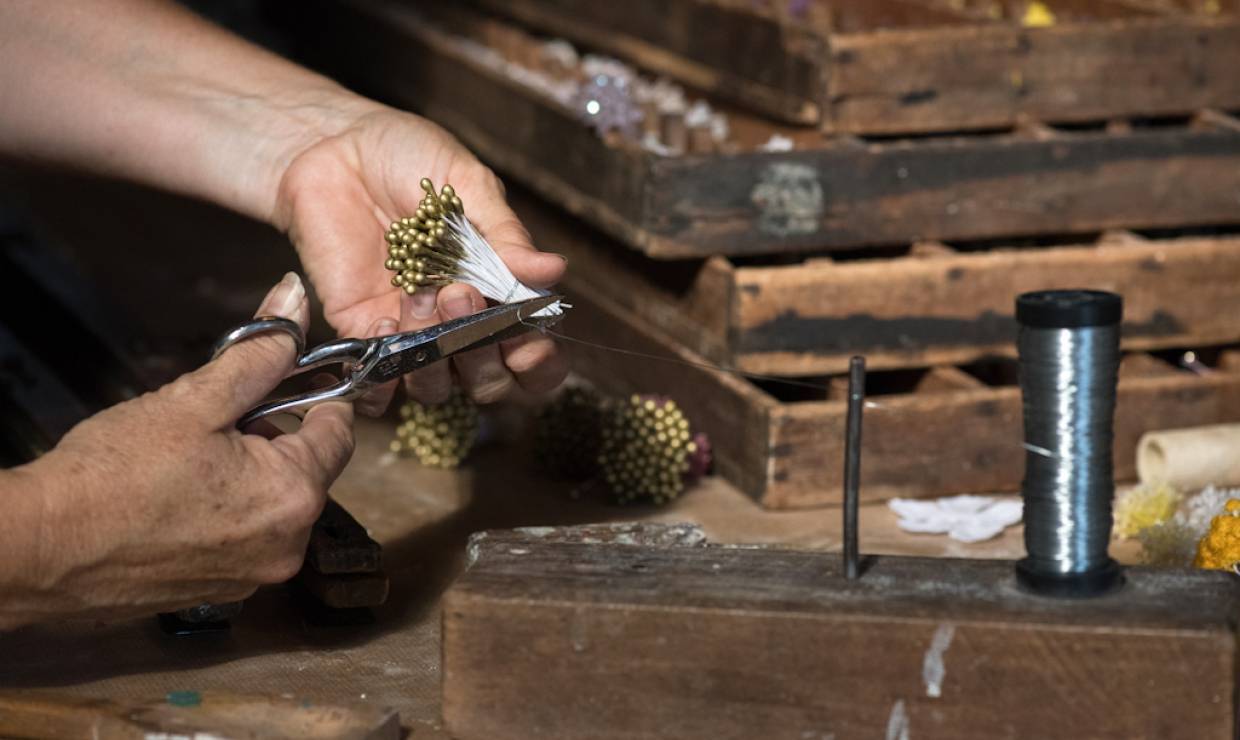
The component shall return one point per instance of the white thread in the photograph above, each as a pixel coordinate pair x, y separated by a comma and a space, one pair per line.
482, 268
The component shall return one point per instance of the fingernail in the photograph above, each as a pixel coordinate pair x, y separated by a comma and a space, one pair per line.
561, 257
423, 303
458, 306
384, 327
285, 297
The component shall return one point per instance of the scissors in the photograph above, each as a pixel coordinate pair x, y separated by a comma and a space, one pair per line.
372, 362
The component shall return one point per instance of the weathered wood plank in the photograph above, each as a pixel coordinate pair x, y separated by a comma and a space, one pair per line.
958, 189
956, 309
613, 641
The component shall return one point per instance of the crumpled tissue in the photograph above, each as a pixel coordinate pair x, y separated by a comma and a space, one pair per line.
963, 518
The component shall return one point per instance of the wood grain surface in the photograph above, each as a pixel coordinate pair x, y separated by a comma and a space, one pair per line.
638, 641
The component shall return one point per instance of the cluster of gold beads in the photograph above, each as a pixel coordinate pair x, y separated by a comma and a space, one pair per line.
438, 435
567, 434
422, 250
645, 450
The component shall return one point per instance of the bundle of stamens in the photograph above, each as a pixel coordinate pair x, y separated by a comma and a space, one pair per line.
438, 435
568, 433
649, 452
438, 245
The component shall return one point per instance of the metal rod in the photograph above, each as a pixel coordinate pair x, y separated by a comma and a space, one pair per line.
852, 463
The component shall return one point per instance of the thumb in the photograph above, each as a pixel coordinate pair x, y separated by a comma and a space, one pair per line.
246, 372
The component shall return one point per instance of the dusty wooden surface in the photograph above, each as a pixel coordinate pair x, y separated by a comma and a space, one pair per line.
215, 715
887, 66
633, 640
828, 194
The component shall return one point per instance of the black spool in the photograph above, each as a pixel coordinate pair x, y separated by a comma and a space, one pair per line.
1056, 310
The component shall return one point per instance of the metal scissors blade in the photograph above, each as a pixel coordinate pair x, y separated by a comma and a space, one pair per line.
402, 353
372, 362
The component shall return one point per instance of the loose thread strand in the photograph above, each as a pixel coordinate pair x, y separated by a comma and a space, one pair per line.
686, 363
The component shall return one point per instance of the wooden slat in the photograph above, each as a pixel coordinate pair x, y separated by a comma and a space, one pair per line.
808, 319
823, 198
789, 455
947, 190
624, 641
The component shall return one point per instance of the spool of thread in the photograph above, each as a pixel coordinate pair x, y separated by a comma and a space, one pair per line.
1069, 366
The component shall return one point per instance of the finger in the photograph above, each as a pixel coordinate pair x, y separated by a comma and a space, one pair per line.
324, 443
536, 362
245, 373
482, 371
512, 243
431, 384
376, 401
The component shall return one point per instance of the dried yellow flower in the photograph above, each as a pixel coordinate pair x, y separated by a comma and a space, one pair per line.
1220, 548
1144, 506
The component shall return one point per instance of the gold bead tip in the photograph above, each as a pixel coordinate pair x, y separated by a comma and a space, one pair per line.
427, 185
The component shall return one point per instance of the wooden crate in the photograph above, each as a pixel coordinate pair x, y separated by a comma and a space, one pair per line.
901, 66
829, 193
929, 431
926, 305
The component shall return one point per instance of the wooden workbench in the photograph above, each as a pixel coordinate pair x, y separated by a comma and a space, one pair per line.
423, 518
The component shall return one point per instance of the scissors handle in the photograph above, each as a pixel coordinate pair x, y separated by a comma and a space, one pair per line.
342, 350
261, 325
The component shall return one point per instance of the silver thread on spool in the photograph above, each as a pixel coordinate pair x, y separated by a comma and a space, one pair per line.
1069, 366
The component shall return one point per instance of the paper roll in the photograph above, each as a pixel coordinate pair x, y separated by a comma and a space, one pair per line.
1190, 459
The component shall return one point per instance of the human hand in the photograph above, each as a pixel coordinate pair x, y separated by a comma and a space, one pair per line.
339, 195
160, 503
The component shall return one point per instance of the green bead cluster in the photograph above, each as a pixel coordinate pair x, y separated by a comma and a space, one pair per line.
439, 435
567, 434
422, 249
645, 451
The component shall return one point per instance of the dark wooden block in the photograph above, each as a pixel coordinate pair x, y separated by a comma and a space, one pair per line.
831, 193
345, 590
340, 544
560, 639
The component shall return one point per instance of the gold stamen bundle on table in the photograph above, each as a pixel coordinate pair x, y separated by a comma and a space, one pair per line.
648, 450
438, 245
438, 435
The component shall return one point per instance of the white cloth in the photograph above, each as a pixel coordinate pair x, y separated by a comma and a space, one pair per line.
963, 518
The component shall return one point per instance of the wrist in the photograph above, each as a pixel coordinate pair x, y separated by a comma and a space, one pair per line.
287, 125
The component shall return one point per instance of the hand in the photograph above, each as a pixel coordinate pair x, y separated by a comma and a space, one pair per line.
159, 503
336, 199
